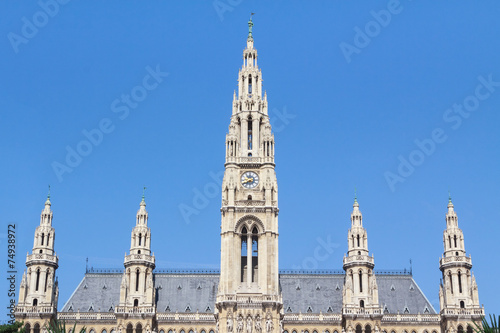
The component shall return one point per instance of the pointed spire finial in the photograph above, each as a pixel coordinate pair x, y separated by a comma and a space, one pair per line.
355, 195
250, 25
449, 197
143, 202
47, 202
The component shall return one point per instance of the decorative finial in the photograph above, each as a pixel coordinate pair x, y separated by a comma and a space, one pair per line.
143, 191
449, 197
355, 195
250, 25
47, 202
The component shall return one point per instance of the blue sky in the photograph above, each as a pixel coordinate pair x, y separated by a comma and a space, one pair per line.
403, 106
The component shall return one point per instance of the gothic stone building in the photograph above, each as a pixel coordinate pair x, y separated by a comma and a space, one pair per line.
249, 294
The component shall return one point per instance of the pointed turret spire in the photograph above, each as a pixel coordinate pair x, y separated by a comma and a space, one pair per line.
139, 264
458, 290
360, 284
250, 25
47, 202
143, 202
41, 266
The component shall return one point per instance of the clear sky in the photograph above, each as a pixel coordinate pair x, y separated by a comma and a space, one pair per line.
397, 99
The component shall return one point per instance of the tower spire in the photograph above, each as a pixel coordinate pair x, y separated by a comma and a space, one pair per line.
361, 291
136, 289
39, 287
458, 292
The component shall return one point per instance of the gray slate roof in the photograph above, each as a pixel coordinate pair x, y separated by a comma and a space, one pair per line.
191, 292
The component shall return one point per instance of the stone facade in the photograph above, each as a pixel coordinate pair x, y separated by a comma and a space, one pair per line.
249, 294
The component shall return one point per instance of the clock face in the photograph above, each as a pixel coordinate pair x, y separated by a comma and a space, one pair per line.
249, 179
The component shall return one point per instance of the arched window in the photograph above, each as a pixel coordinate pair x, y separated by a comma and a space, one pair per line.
104, 331
130, 329
462, 305
48, 237
469, 329
455, 238
212, 331
46, 278
460, 329
27, 328
368, 329
140, 239
36, 329
359, 329
37, 279
250, 83
358, 240
360, 274
191, 331
35, 302
136, 302
43, 236
249, 133
449, 239
137, 280
249, 197
255, 254
459, 282
244, 238
361, 304
138, 328
451, 282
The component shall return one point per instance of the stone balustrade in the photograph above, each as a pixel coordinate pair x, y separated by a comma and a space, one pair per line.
44, 258
455, 259
131, 258
34, 309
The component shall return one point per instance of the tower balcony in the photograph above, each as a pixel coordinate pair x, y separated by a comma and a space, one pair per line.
358, 260
42, 259
454, 261
34, 311
139, 259
472, 313
250, 300
250, 160
135, 310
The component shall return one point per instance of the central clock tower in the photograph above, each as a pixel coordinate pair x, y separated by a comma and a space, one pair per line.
249, 296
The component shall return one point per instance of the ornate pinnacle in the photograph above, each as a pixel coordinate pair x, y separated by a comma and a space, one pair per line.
250, 25
143, 191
